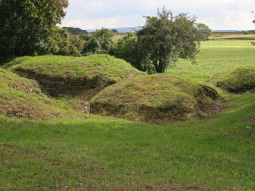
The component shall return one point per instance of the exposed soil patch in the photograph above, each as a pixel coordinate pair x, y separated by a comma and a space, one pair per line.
240, 38
226, 33
250, 118
58, 86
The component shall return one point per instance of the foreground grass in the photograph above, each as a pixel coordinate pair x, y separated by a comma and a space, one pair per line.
212, 154
216, 153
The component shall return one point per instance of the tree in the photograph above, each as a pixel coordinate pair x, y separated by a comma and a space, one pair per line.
26, 25
204, 29
99, 42
103, 33
75, 31
126, 48
114, 30
63, 43
165, 38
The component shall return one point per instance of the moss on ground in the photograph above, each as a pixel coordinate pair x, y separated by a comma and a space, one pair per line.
238, 80
159, 98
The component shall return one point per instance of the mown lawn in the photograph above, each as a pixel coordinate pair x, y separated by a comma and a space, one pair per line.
215, 153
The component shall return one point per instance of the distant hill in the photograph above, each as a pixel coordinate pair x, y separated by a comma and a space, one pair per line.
132, 29
74, 31
232, 30
120, 30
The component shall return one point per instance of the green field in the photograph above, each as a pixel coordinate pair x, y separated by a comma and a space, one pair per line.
216, 56
105, 153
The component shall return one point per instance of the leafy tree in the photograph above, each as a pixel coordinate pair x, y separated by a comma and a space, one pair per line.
103, 33
91, 46
75, 31
165, 38
25, 25
114, 30
204, 29
126, 48
84, 36
65, 44
99, 42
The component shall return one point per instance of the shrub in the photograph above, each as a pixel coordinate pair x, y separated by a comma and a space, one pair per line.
126, 48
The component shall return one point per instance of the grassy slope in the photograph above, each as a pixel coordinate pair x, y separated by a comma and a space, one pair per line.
22, 98
78, 78
108, 67
237, 80
104, 154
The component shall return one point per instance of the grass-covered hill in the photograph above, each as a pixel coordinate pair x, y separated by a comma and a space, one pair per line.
76, 151
159, 98
26, 95
63, 76
22, 98
237, 80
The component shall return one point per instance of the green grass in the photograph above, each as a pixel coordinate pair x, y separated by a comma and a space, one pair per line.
216, 153
212, 154
238, 80
216, 56
22, 98
72, 68
158, 98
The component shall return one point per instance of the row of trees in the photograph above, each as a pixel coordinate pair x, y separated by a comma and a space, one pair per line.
27, 27
75, 31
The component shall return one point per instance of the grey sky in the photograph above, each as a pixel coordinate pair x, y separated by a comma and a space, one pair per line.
217, 14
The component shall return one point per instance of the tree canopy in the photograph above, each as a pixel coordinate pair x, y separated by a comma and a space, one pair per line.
204, 29
25, 25
75, 31
165, 38
99, 42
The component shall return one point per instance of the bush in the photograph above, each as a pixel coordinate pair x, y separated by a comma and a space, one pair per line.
66, 44
126, 48
100, 42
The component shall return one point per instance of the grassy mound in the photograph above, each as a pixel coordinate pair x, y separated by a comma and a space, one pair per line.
238, 80
63, 76
155, 98
22, 98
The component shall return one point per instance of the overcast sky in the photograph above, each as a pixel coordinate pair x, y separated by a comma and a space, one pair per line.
217, 14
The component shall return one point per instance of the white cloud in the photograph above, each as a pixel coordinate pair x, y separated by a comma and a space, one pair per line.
217, 14
112, 22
